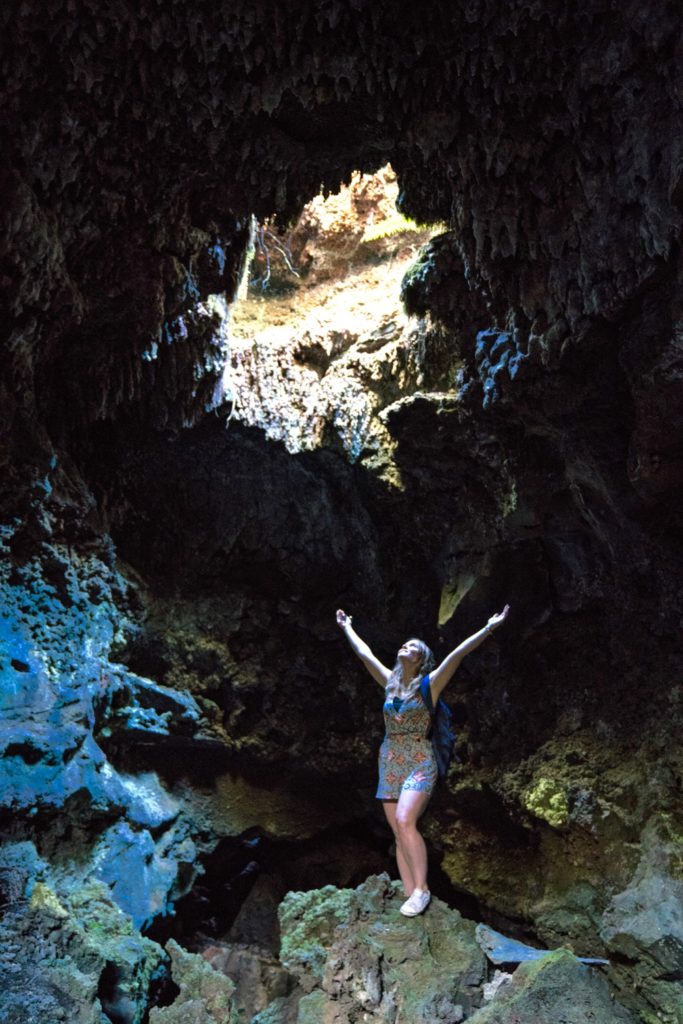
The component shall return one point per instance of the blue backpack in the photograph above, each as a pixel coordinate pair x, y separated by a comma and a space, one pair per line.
442, 733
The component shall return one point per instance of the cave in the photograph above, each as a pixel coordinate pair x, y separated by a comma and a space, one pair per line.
352, 305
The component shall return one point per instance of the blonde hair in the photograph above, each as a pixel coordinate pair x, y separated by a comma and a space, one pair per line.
395, 680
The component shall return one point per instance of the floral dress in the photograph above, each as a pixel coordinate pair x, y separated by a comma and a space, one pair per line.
406, 758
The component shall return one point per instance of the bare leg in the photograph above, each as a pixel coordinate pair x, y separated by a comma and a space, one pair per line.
410, 806
403, 869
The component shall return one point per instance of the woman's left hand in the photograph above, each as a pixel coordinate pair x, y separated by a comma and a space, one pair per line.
496, 620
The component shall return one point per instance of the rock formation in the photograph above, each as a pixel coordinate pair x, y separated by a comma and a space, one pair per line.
178, 712
356, 958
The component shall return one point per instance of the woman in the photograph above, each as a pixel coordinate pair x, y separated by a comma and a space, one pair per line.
407, 768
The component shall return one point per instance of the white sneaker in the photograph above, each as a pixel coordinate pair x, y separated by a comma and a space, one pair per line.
417, 903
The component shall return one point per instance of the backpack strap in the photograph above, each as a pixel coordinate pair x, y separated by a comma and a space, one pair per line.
426, 694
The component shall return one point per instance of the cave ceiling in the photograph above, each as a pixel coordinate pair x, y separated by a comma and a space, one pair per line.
135, 137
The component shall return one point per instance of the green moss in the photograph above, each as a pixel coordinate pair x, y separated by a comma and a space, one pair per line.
205, 994
554, 988
307, 923
397, 224
276, 1012
668, 998
99, 917
547, 800
533, 969
311, 1008
107, 933
670, 834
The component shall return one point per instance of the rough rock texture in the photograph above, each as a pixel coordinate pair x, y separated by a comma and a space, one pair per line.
510, 123
137, 142
555, 988
75, 957
205, 995
354, 954
63, 702
259, 976
355, 957
643, 926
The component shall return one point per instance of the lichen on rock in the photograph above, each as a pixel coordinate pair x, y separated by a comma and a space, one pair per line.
554, 988
70, 954
205, 995
548, 801
353, 953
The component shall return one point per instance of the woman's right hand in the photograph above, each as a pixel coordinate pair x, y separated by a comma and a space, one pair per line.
343, 620
497, 620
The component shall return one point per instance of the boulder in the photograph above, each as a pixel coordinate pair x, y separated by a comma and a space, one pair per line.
556, 988
356, 957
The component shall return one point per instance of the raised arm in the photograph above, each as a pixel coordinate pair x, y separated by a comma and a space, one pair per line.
440, 676
379, 672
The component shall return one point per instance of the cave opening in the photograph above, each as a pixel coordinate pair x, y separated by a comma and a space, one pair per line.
319, 340
318, 343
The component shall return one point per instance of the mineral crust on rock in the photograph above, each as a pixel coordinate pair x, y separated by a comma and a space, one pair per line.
555, 988
205, 995
354, 955
356, 958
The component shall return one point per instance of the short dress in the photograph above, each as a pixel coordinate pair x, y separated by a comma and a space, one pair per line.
406, 758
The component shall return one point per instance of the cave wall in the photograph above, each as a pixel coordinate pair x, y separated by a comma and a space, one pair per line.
137, 142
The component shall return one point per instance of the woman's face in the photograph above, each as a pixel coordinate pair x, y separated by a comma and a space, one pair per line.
410, 652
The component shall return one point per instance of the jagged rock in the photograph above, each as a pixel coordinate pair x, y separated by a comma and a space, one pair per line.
490, 988
355, 956
643, 925
313, 367
647, 918
58, 692
554, 988
140, 711
205, 997
257, 920
65, 705
550, 182
354, 948
67, 957
258, 976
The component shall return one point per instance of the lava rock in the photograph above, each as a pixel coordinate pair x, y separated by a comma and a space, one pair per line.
557, 987
205, 997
